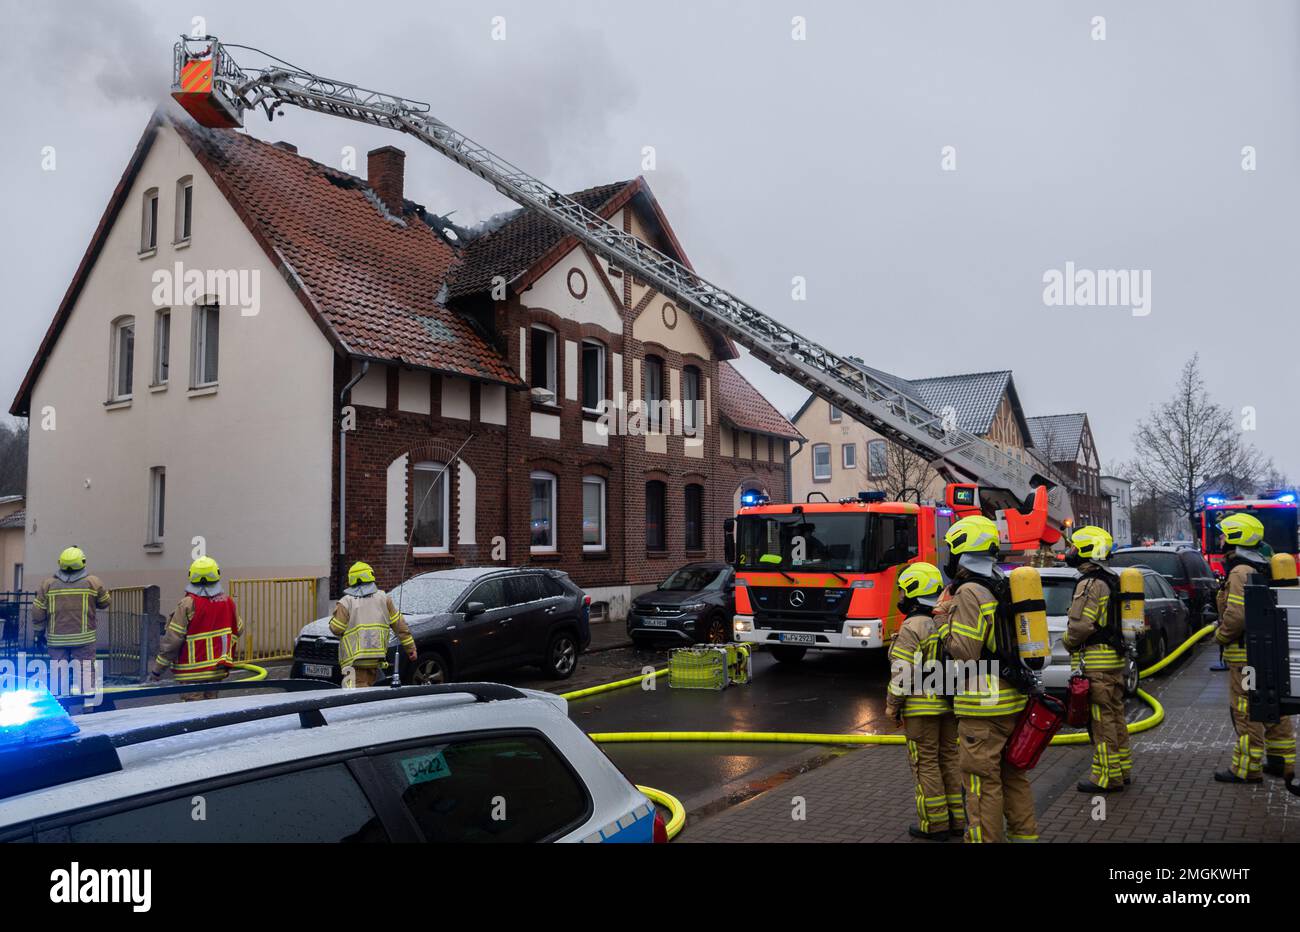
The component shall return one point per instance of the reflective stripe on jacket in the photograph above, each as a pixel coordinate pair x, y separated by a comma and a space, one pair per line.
1231, 632
912, 656
970, 636
65, 611
362, 624
1089, 627
200, 638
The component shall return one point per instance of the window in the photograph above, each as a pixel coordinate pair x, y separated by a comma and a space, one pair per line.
655, 508
694, 517
836, 415
593, 374
157, 504
184, 208
543, 513
821, 453
849, 452
690, 400
542, 361
593, 513
492, 593
18, 577
891, 540
322, 805
523, 589
122, 363
206, 334
162, 338
654, 392
877, 459
452, 789
429, 488
149, 221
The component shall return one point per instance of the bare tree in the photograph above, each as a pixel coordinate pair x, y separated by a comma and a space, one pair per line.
13, 458
907, 474
1189, 445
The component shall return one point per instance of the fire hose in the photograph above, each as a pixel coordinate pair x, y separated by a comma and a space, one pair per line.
678, 812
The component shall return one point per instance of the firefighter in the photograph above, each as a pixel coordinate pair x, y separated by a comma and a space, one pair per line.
1095, 639
201, 634
999, 802
63, 618
1242, 536
361, 622
927, 718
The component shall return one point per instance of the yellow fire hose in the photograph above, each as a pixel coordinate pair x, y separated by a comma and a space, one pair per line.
678, 819
259, 673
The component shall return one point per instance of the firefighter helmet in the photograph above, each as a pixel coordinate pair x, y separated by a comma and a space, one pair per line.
72, 559
204, 570
919, 579
973, 534
1092, 542
360, 573
1241, 530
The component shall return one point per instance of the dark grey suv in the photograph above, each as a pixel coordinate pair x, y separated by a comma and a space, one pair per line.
695, 604
1184, 568
470, 620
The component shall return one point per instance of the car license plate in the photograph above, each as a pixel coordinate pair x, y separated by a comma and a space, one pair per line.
798, 639
322, 670
656, 622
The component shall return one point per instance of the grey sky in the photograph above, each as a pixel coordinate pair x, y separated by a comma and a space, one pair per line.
778, 158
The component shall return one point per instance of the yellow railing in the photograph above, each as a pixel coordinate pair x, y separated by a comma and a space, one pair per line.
274, 611
128, 600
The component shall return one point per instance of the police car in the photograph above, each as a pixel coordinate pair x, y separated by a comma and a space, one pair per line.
471, 762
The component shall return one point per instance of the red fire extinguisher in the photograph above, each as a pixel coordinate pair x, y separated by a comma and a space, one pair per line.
1042, 718
1077, 706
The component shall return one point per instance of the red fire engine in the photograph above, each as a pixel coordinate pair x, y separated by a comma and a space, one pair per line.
1278, 512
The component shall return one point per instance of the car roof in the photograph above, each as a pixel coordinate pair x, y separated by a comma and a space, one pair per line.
190, 750
473, 573
703, 564
1159, 548
1069, 572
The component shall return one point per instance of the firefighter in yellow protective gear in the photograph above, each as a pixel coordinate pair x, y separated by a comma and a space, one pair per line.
199, 643
362, 620
999, 802
63, 618
1095, 639
926, 714
1242, 536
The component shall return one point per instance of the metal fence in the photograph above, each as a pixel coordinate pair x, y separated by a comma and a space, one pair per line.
274, 611
127, 634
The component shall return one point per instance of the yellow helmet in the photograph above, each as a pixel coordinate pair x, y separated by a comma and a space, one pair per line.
1241, 530
973, 534
360, 573
204, 570
919, 579
1092, 542
72, 559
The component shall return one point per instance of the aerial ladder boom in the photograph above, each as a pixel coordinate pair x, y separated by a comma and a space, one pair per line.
217, 92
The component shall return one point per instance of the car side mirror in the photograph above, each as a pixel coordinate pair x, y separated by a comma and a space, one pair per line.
474, 608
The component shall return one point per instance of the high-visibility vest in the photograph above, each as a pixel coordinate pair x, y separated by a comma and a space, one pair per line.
364, 642
208, 639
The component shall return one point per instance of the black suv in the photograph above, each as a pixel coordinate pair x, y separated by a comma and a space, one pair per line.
469, 620
695, 604
1185, 569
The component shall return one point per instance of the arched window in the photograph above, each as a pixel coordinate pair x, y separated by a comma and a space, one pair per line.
593, 374
694, 524
655, 515
593, 513
121, 368
542, 518
654, 393
692, 414
430, 508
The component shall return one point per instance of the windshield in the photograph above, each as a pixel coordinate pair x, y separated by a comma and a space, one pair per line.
802, 542
693, 579
427, 596
1166, 564
1058, 592
1279, 527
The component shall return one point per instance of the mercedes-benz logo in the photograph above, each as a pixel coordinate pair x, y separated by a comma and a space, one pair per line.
797, 598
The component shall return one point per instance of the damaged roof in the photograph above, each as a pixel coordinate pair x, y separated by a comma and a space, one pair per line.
742, 405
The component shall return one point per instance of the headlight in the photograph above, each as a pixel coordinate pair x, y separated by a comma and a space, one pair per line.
741, 626
695, 607
861, 631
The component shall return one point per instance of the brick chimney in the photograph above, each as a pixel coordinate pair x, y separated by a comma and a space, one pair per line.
384, 171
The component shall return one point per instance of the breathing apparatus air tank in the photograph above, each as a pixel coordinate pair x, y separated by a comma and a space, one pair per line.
1132, 603
1282, 569
1030, 613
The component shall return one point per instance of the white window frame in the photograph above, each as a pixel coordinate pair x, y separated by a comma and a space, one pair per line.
184, 186
818, 476
162, 345
435, 468
554, 545
878, 445
126, 322
551, 382
149, 221
598, 481
198, 346
157, 506
599, 347
654, 406
849, 456
836, 414
690, 405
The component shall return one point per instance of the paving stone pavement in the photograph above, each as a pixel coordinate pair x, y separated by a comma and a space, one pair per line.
866, 795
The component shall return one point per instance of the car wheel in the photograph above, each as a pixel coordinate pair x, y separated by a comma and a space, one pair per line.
428, 670
715, 631
1130, 676
561, 656
787, 653
1162, 647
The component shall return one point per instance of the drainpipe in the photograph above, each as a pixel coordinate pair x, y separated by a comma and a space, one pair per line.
343, 462
789, 477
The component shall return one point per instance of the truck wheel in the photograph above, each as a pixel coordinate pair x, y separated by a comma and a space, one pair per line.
788, 653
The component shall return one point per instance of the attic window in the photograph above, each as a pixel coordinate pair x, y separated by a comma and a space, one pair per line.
184, 209
149, 221
541, 363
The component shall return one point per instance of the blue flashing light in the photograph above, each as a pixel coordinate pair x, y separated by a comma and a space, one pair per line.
945, 511
749, 499
1214, 499
32, 715
1289, 498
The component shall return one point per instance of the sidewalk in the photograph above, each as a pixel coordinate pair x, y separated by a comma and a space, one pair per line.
867, 795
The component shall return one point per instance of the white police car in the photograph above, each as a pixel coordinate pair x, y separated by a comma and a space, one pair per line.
470, 762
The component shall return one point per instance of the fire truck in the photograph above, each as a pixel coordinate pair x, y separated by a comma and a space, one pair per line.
821, 575
1277, 511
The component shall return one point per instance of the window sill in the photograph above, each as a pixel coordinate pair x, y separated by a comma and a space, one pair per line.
550, 407
656, 554
181, 243
147, 253
116, 404
544, 556
201, 390
158, 387
433, 556
697, 553
153, 548
595, 555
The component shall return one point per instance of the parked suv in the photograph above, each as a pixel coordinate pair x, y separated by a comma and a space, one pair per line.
470, 620
1185, 569
693, 605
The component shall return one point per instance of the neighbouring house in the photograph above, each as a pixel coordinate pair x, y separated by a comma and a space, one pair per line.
1066, 440
13, 529
374, 344
1120, 493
